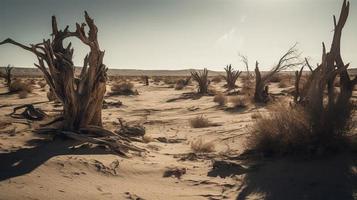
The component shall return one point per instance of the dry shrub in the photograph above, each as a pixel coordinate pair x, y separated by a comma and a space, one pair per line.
239, 101
289, 131
201, 77
123, 88
156, 79
179, 86
23, 94
170, 80
248, 86
18, 85
216, 79
220, 98
284, 131
200, 122
182, 83
201, 146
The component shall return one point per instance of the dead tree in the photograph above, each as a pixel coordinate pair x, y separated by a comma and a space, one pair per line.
289, 60
7, 75
244, 59
330, 113
82, 96
146, 80
231, 77
202, 79
298, 75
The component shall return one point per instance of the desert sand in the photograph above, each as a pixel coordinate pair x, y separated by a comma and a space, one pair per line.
36, 166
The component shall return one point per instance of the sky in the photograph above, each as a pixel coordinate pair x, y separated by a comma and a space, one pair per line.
182, 34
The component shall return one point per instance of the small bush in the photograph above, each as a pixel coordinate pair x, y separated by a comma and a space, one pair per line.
239, 102
200, 146
123, 88
170, 80
284, 131
220, 98
199, 122
179, 86
18, 85
23, 94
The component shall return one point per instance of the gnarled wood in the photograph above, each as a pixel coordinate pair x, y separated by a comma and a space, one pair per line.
81, 96
333, 115
289, 60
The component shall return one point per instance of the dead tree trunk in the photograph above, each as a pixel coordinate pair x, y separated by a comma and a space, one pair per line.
288, 60
331, 117
7, 75
260, 94
81, 96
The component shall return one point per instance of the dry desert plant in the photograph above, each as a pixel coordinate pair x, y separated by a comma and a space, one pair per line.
7, 75
201, 146
283, 131
220, 98
18, 86
202, 79
123, 88
200, 122
231, 77
321, 118
239, 101
182, 83
289, 60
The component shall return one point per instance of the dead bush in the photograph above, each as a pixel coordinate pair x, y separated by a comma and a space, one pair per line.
201, 146
200, 122
123, 88
284, 131
18, 85
182, 83
179, 86
220, 98
288, 131
23, 94
201, 77
239, 101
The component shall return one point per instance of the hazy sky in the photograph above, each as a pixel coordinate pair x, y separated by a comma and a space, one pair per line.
177, 34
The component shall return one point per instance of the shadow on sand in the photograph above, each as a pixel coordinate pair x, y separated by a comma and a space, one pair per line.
25, 160
328, 178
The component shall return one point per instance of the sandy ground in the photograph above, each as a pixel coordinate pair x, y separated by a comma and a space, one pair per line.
32, 167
